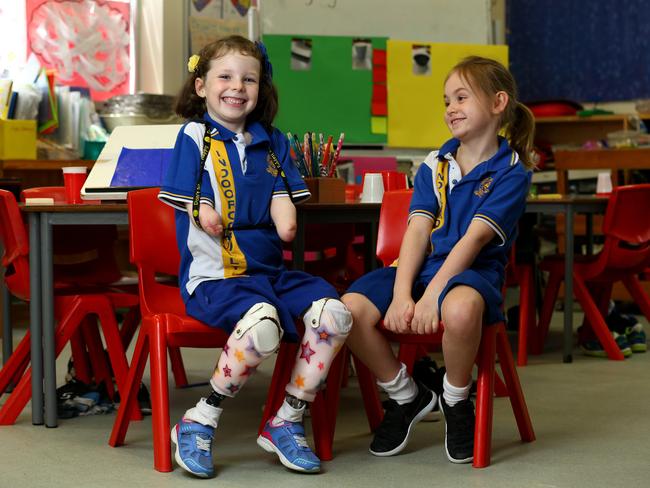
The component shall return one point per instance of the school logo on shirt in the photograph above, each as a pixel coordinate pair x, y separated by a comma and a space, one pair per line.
484, 187
270, 167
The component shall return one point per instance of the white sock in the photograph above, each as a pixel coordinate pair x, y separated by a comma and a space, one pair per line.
204, 414
288, 413
454, 394
402, 388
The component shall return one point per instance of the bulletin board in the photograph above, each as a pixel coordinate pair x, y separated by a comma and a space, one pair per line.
416, 102
331, 97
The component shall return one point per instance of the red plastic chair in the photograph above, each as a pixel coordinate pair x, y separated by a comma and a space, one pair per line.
73, 307
165, 326
625, 256
494, 342
87, 259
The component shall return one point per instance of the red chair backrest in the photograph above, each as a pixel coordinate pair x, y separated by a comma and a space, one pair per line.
15, 244
153, 249
393, 220
627, 228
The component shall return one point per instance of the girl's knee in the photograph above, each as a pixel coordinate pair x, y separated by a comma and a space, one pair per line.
364, 313
462, 311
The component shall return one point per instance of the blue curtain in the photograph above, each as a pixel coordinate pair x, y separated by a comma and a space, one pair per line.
582, 50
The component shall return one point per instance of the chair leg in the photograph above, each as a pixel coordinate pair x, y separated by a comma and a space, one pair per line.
15, 365
526, 313
484, 398
500, 388
596, 320
114, 346
129, 393
178, 368
129, 326
160, 394
369, 394
325, 407
633, 285
101, 369
80, 358
281, 374
515, 392
548, 304
408, 354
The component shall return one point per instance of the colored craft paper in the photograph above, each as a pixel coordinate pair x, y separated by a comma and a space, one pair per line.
416, 103
141, 167
378, 125
379, 93
379, 108
379, 57
379, 74
330, 97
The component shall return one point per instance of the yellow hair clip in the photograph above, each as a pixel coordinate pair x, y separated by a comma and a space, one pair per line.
193, 62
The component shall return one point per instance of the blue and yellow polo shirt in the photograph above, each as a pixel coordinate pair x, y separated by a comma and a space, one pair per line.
239, 181
494, 192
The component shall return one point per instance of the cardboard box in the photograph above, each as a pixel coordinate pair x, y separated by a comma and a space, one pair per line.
326, 190
17, 139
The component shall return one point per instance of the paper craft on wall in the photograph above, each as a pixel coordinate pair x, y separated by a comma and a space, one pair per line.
88, 43
416, 102
332, 95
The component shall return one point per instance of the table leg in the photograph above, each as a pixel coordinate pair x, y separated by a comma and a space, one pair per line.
49, 351
568, 286
35, 319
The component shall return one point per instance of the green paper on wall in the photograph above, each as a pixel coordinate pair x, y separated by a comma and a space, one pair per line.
330, 97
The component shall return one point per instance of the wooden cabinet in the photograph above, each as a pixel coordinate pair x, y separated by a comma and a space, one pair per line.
577, 130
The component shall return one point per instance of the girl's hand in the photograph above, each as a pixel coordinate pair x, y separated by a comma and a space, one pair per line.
210, 220
425, 319
399, 315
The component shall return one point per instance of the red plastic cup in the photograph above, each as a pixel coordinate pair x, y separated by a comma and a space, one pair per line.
393, 180
74, 178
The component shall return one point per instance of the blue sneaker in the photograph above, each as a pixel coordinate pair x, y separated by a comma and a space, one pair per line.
194, 447
288, 441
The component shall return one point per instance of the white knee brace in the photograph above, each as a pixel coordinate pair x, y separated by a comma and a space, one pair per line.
330, 313
263, 324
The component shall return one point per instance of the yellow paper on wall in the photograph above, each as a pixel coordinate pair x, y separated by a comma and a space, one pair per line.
416, 102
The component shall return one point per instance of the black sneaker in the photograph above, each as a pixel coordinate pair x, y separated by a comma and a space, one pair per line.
459, 431
426, 371
393, 433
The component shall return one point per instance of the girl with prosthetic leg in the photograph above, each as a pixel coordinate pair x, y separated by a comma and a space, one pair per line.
233, 185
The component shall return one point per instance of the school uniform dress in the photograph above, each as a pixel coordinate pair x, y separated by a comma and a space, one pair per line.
222, 277
494, 192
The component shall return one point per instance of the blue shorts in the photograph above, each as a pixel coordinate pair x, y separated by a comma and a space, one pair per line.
377, 286
221, 303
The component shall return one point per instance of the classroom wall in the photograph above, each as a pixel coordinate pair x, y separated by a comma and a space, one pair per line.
466, 21
162, 30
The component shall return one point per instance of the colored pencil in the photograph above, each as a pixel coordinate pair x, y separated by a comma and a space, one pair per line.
337, 154
326, 153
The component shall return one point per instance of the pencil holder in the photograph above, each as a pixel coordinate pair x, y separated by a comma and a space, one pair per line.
326, 190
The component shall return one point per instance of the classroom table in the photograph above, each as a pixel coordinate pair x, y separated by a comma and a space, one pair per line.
43, 217
337, 213
41, 306
569, 206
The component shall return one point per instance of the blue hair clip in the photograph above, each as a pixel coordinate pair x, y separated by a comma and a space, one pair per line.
268, 67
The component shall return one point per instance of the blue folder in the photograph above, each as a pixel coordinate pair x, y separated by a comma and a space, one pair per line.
140, 168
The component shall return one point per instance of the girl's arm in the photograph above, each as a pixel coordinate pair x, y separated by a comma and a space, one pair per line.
413, 251
210, 219
283, 214
461, 257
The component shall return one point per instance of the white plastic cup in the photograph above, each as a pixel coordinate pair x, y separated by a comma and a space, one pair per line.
74, 178
373, 188
604, 183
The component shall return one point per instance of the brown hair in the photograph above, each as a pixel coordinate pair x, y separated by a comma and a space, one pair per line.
189, 105
489, 77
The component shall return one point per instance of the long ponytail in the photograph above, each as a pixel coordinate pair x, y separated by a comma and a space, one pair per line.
521, 133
